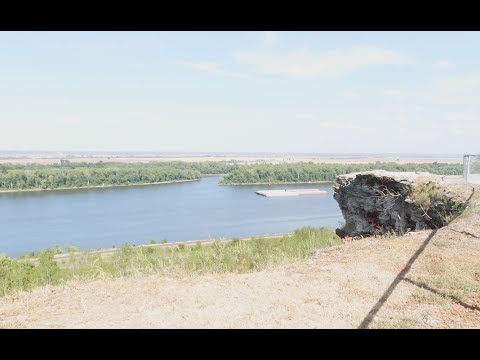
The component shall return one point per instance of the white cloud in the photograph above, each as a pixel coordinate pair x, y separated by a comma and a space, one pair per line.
442, 64
407, 134
209, 67
378, 93
350, 127
460, 84
459, 117
269, 37
395, 94
237, 75
336, 125
306, 116
302, 63
458, 90
461, 123
463, 128
324, 121
351, 94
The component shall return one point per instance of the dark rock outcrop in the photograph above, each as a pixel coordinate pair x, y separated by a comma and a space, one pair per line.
378, 202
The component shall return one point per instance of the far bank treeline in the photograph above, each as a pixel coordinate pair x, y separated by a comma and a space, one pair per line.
25, 177
311, 172
67, 175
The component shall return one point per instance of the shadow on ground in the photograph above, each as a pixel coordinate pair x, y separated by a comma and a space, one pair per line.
401, 276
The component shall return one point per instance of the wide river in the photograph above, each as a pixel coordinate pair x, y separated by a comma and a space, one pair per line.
102, 217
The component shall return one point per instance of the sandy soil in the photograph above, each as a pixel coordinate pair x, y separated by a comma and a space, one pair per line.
242, 159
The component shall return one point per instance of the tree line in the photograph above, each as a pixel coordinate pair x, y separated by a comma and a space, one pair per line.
64, 175
311, 172
17, 177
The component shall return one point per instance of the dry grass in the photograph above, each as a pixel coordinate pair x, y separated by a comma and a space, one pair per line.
235, 256
335, 288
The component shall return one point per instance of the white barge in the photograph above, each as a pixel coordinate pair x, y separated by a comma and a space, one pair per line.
291, 192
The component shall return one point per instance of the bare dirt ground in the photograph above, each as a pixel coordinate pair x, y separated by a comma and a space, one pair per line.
427, 279
242, 159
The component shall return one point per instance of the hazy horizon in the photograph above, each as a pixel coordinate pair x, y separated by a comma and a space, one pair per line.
199, 153
240, 92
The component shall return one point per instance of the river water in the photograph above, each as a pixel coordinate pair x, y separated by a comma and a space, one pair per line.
102, 217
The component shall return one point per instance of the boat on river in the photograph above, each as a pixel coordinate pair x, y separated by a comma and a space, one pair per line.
291, 192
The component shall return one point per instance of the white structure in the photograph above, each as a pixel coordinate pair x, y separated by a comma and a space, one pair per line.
291, 192
471, 168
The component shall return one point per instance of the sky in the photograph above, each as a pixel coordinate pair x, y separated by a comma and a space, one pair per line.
313, 92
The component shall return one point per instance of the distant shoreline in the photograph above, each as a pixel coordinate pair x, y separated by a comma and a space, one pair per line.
279, 183
97, 186
243, 159
111, 250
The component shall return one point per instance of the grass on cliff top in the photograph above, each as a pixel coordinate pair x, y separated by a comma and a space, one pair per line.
235, 256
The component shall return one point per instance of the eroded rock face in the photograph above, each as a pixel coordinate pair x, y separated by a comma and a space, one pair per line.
377, 202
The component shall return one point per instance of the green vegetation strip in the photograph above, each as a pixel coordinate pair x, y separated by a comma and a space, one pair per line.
78, 175
310, 172
235, 256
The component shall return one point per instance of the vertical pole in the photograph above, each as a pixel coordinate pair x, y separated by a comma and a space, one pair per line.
465, 167
468, 167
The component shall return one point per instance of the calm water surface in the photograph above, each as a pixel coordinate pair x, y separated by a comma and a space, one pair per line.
97, 218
